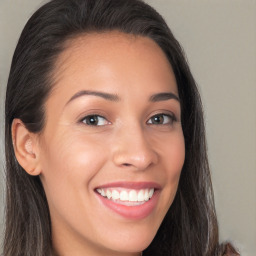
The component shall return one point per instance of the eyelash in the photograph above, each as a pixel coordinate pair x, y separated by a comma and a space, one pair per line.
164, 116
98, 118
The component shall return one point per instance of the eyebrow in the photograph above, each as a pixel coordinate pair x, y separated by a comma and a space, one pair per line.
163, 96
104, 95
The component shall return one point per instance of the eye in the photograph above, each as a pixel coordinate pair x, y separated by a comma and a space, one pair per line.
95, 120
161, 119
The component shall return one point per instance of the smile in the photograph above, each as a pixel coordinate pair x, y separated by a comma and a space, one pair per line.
127, 197
130, 200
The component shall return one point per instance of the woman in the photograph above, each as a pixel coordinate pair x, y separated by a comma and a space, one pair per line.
105, 145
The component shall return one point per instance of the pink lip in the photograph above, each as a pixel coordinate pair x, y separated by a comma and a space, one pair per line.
136, 212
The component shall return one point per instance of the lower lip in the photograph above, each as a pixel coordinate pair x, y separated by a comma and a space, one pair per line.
136, 212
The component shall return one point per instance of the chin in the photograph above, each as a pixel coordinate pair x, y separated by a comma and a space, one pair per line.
131, 243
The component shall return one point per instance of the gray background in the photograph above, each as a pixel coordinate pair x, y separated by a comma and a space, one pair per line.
219, 38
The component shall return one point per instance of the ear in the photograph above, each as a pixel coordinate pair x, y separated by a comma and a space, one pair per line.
25, 146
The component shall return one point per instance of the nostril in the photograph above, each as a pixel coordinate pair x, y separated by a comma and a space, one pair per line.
126, 164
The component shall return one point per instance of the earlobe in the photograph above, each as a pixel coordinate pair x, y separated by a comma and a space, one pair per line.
25, 147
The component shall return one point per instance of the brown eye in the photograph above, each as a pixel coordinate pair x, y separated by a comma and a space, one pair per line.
95, 120
161, 119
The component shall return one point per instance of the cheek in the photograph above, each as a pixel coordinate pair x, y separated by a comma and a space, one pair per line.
173, 160
70, 163
176, 152
172, 152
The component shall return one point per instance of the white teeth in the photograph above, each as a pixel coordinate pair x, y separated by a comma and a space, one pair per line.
141, 196
109, 194
103, 192
151, 192
146, 196
115, 194
124, 196
133, 195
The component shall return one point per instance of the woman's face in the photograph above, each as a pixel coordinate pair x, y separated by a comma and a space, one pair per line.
112, 149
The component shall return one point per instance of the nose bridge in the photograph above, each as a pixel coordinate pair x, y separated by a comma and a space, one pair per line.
132, 147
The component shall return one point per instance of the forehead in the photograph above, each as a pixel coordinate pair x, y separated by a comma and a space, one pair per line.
91, 59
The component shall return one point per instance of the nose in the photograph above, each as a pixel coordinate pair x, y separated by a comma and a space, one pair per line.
132, 149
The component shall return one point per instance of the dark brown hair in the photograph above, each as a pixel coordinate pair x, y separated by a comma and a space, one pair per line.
190, 226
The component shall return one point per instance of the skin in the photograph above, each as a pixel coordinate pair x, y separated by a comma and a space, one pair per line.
73, 158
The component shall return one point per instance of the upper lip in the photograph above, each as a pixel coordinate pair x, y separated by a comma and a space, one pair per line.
131, 185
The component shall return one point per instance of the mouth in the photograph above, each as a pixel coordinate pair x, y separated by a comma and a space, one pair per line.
129, 197
130, 200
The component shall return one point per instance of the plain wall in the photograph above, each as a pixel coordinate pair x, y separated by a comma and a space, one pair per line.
219, 38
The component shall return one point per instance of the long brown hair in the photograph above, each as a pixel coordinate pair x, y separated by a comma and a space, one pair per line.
190, 226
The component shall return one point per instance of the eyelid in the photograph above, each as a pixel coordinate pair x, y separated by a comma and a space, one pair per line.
103, 114
171, 115
93, 114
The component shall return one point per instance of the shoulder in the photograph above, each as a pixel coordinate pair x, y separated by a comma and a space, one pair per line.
228, 250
